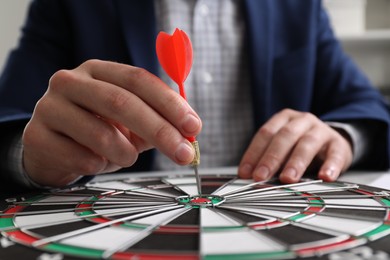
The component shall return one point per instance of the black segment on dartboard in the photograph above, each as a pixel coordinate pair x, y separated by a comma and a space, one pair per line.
291, 234
51, 207
382, 244
61, 228
145, 183
355, 213
169, 242
210, 184
189, 218
241, 217
22, 252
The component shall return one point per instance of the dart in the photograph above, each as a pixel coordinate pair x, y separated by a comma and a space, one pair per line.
174, 53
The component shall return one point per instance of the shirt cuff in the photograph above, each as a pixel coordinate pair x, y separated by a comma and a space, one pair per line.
358, 136
16, 169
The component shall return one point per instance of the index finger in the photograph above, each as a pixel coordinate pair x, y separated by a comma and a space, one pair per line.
152, 91
118, 104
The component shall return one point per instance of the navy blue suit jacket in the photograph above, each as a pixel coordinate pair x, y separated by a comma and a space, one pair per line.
295, 60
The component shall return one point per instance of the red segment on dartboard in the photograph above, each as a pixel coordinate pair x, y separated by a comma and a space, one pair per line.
200, 200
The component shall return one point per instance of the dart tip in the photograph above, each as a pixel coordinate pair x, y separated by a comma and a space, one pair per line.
198, 181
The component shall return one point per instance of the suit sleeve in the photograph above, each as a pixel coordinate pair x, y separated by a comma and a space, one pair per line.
343, 93
42, 49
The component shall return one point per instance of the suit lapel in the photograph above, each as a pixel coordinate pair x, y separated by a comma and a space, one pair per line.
259, 32
137, 19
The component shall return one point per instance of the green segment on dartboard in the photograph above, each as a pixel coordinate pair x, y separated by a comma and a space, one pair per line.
74, 250
6, 223
384, 228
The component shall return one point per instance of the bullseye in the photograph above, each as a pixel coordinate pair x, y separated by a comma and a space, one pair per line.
200, 201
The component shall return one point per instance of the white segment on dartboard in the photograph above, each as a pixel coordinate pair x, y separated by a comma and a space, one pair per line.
102, 239
349, 226
324, 187
211, 218
353, 203
45, 220
57, 200
120, 211
129, 187
260, 194
235, 184
186, 184
159, 218
154, 222
264, 213
42, 220
94, 228
114, 185
263, 194
96, 206
231, 240
132, 199
266, 191
286, 195
238, 192
285, 203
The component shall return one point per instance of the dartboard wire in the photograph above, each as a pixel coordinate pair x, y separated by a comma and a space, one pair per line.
262, 214
110, 197
322, 213
100, 226
233, 192
144, 233
276, 203
225, 185
258, 192
122, 203
104, 200
302, 196
103, 192
241, 188
201, 233
338, 236
92, 207
286, 220
319, 202
82, 217
292, 196
150, 195
303, 224
136, 190
176, 186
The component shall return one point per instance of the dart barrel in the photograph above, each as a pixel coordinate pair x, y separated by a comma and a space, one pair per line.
196, 160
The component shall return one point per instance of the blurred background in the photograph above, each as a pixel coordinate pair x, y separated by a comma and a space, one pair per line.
12, 14
363, 27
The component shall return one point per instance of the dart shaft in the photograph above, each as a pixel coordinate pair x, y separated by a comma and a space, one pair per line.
198, 183
195, 164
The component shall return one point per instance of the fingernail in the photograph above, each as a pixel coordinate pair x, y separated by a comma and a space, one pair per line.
246, 170
290, 172
190, 123
184, 153
261, 173
329, 173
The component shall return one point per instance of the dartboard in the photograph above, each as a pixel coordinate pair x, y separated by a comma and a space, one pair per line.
163, 217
